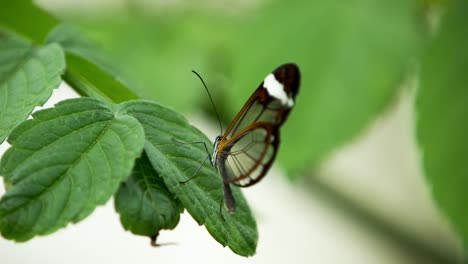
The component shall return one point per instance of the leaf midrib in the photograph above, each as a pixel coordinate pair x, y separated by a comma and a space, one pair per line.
167, 158
200, 204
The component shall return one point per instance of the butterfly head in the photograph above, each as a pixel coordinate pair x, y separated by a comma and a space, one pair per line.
215, 150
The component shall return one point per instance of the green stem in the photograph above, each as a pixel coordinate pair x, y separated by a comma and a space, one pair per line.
90, 80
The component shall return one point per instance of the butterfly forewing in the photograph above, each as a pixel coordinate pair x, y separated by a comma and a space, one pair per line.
248, 147
259, 108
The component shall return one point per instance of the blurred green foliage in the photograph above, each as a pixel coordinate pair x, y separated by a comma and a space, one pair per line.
154, 54
442, 116
353, 55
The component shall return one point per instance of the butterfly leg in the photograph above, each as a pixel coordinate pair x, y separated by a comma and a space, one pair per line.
193, 142
221, 209
196, 172
204, 161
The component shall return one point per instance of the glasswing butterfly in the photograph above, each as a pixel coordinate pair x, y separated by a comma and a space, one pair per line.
245, 152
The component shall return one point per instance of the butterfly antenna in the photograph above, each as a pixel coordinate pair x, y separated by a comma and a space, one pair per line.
211, 99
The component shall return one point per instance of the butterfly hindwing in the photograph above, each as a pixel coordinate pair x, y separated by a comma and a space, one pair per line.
249, 155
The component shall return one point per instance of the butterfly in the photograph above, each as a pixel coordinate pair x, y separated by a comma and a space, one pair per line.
244, 153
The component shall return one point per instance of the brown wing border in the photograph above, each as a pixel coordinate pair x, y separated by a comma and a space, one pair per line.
259, 95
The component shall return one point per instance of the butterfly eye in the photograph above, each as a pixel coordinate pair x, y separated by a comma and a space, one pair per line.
218, 138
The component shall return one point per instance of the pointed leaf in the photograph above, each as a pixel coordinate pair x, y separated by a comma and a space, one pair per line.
63, 163
144, 203
27, 77
202, 195
442, 117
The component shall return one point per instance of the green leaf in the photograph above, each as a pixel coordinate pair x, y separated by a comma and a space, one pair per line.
442, 117
85, 71
144, 203
352, 57
27, 77
202, 195
63, 163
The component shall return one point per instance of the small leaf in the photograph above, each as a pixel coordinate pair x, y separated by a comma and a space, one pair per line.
144, 203
202, 195
442, 117
63, 163
27, 77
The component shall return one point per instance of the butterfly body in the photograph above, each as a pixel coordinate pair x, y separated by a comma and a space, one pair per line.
246, 151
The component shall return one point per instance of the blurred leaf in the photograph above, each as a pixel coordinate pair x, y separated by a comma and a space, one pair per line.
25, 18
88, 71
74, 42
352, 57
27, 77
63, 163
202, 195
442, 117
156, 53
144, 203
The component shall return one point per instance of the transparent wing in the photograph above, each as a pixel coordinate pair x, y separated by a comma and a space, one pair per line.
249, 146
246, 158
254, 111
